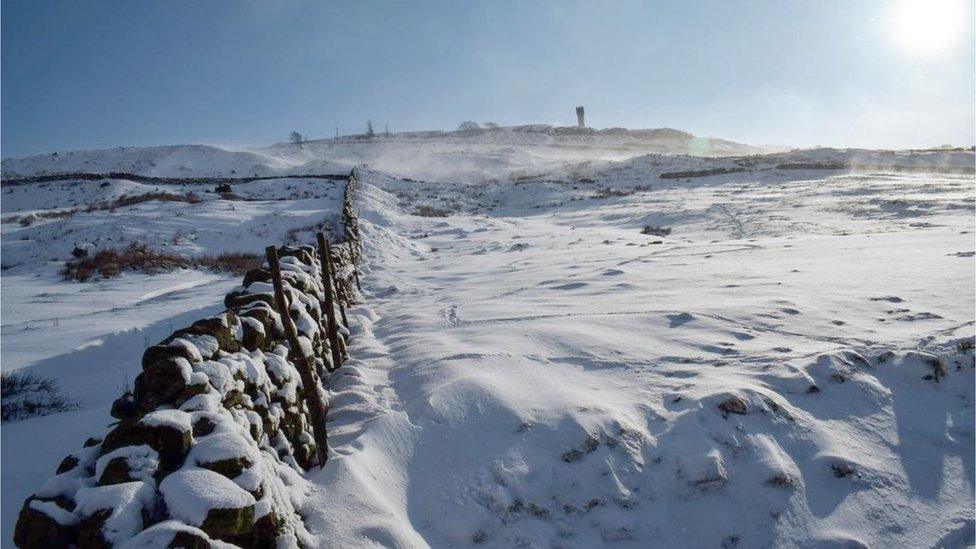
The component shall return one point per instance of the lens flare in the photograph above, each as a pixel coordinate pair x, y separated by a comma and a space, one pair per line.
928, 26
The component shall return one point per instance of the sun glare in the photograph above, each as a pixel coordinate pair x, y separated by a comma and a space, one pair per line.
928, 26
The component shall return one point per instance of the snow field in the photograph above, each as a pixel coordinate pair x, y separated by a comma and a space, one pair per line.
792, 366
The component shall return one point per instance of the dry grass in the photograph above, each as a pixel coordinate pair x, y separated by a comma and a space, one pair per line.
132, 200
430, 211
237, 263
294, 234
656, 231
29, 395
139, 258
29, 219
120, 202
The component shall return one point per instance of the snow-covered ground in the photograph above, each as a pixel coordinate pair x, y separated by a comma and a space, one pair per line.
533, 370
456, 156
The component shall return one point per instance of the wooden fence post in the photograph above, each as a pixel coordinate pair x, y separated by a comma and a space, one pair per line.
355, 272
338, 289
339, 293
305, 368
329, 300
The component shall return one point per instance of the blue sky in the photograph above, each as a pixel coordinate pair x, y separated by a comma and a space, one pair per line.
824, 72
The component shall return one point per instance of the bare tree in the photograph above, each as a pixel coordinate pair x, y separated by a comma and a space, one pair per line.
369, 129
296, 138
490, 126
468, 126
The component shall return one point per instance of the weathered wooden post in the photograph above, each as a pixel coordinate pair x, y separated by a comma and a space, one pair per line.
355, 263
339, 294
305, 368
326, 262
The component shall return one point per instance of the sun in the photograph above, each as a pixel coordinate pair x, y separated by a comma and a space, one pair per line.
928, 26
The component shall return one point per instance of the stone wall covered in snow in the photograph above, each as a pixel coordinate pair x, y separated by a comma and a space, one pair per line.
211, 442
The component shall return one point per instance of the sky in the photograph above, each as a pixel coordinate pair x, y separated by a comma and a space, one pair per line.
867, 73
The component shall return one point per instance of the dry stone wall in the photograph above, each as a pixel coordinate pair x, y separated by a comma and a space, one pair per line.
216, 432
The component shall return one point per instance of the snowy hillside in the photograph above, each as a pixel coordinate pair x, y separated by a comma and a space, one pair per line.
605, 345
470, 156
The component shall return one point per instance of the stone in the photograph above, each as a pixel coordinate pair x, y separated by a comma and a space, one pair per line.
218, 327
203, 427
256, 275
233, 398
191, 391
160, 352
252, 338
125, 407
225, 523
267, 529
230, 468
189, 540
170, 443
116, 471
733, 405
161, 383
67, 464
237, 300
35, 529
301, 253
89, 530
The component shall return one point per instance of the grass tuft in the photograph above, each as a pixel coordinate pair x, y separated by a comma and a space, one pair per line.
30, 395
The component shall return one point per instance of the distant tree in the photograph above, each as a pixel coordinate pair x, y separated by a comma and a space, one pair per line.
296, 138
386, 130
490, 126
467, 126
369, 129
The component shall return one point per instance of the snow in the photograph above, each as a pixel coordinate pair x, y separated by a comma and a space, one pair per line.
54, 511
569, 393
161, 535
127, 502
454, 155
223, 446
531, 369
142, 461
191, 494
171, 419
189, 347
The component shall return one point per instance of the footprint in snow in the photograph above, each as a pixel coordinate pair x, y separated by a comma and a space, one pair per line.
889, 299
570, 286
790, 311
679, 319
918, 316
612, 272
450, 314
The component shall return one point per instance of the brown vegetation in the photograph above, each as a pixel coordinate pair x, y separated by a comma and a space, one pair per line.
28, 395
127, 200
430, 211
656, 231
138, 257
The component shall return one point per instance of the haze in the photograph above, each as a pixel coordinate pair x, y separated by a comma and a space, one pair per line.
110, 73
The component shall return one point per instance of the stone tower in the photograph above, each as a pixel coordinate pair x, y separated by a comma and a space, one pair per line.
579, 117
